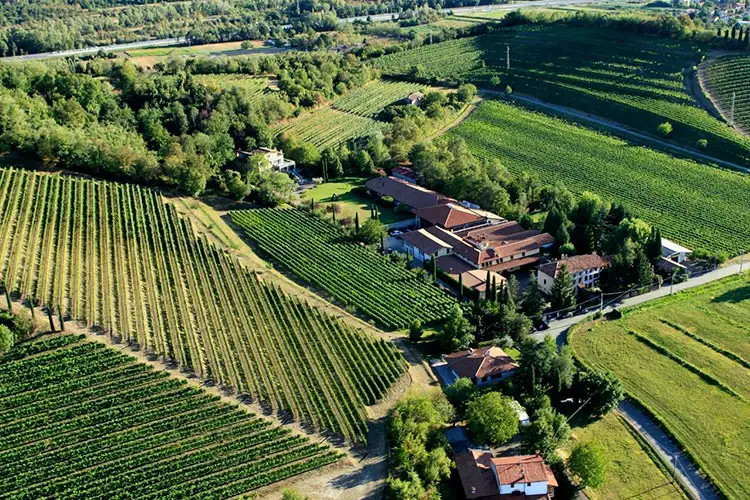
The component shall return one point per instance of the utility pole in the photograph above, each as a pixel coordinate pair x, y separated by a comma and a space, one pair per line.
671, 283
507, 56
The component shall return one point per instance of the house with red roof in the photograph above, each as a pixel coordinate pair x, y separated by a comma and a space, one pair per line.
485, 477
584, 269
483, 366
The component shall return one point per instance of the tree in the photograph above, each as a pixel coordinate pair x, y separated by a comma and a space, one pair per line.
466, 92
405, 489
532, 301
644, 271
236, 187
564, 368
563, 295
290, 494
333, 163
363, 162
603, 390
370, 232
456, 332
588, 465
461, 393
664, 129
7, 339
306, 155
547, 432
415, 330
554, 220
653, 245
491, 418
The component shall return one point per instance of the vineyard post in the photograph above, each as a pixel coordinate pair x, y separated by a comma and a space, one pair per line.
51, 321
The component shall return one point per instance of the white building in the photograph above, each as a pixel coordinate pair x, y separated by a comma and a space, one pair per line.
483, 366
275, 158
523, 417
485, 477
584, 269
672, 251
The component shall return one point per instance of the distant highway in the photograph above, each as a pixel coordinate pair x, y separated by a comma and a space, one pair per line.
166, 42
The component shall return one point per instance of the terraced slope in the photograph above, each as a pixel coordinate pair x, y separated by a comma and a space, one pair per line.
684, 357
629, 78
727, 79
116, 257
698, 205
81, 421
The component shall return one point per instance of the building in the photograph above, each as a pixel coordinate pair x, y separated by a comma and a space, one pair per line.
491, 245
415, 98
405, 193
476, 279
584, 269
275, 158
483, 366
523, 417
672, 251
485, 477
405, 174
449, 216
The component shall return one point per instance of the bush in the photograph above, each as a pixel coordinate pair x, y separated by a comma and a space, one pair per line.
7, 339
415, 330
665, 129
614, 314
508, 89
702, 144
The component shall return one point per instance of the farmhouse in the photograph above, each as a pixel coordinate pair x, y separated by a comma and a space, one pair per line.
405, 174
584, 269
275, 158
485, 477
405, 193
486, 365
672, 251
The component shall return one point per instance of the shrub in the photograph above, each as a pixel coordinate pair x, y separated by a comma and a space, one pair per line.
665, 129
702, 144
415, 330
508, 89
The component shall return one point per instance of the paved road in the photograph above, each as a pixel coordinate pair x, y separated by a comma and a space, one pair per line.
166, 42
620, 129
559, 328
686, 473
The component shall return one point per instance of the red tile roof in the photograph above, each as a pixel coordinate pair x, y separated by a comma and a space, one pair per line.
425, 241
505, 239
448, 216
512, 264
476, 475
523, 469
482, 362
407, 193
575, 264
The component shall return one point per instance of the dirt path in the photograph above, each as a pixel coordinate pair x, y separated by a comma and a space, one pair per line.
616, 128
463, 115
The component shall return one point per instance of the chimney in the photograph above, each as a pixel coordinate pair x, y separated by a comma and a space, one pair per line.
470, 352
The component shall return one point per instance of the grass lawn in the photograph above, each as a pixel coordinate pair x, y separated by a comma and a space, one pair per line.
632, 473
350, 202
699, 391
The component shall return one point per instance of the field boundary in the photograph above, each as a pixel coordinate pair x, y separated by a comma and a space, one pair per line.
707, 343
707, 91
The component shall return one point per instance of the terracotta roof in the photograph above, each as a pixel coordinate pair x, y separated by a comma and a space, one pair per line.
407, 193
575, 264
448, 215
453, 265
501, 240
425, 241
482, 362
476, 279
513, 264
523, 469
476, 474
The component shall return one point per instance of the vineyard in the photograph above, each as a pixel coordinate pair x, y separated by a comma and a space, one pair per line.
80, 420
685, 358
254, 86
349, 116
317, 252
118, 258
694, 204
725, 78
626, 77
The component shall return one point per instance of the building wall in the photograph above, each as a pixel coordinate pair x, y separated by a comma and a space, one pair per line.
544, 281
538, 488
493, 380
587, 279
422, 257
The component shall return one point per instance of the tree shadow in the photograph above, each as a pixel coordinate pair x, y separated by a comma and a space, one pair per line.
734, 296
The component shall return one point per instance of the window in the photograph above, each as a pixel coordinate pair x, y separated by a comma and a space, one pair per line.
545, 281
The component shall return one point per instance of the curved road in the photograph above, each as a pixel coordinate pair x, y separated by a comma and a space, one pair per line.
660, 442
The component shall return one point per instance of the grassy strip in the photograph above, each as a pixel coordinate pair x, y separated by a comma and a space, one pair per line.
718, 486
707, 343
686, 364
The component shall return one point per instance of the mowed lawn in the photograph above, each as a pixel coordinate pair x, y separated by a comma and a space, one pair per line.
350, 202
707, 328
631, 471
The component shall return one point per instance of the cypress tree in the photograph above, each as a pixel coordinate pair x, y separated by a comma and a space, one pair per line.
333, 213
734, 32
718, 32
461, 286
563, 296
356, 221
434, 269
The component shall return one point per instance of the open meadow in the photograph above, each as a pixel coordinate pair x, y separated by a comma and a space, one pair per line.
695, 204
81, 420
634, 79
684, 358
119, 259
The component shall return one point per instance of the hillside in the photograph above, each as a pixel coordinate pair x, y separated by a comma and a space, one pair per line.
685, 358
727, 79
118, 258
80, 420
695, 204
630, 78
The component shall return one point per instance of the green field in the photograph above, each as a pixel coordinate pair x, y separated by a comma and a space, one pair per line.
350, 202
684, 358
317, 252
695, 204
80, 420
255, 86
630, 78
632, 472
726, 78
350, 116
118, 258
